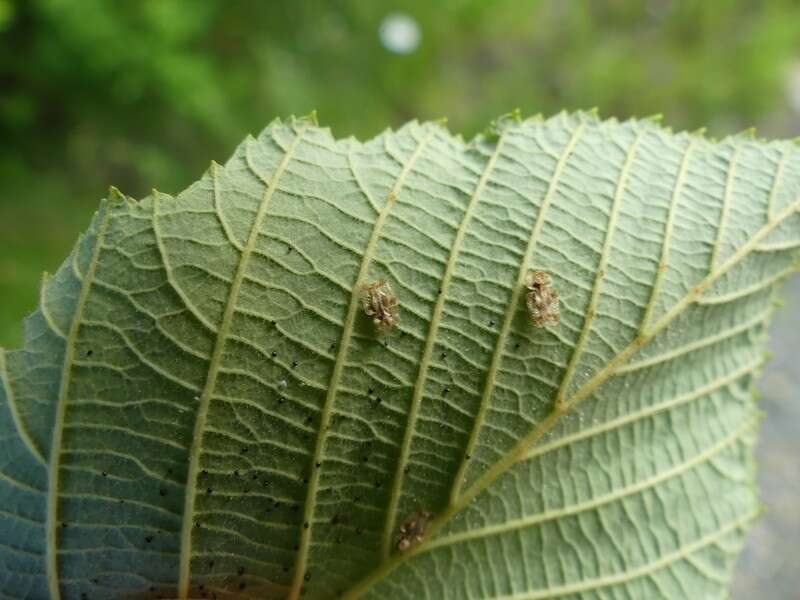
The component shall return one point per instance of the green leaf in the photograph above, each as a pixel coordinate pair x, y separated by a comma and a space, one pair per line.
201, 405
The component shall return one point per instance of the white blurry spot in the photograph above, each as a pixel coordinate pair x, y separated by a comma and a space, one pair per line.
793, 87
283, 383
400, 33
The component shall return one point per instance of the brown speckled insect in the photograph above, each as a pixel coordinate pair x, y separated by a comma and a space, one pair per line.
542, 300
412, 532
380, 303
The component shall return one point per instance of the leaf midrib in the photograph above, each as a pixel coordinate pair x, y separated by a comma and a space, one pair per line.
623, 492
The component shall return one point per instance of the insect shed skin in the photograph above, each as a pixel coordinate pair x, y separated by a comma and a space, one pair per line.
412, 532
542, 299
380, 303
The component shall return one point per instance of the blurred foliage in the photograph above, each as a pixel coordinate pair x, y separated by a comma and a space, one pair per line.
136, 94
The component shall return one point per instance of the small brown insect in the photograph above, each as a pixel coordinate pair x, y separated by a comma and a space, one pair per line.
542, 300
380, 303
412, 532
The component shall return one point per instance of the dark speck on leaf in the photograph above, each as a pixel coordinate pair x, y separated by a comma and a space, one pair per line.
406, 470
244, 450
162, 492
358, 530
241, 586
236, 473
305, 525
89, 352
294, 363
105, 474
208, 490
318, 465
240, 571
446, 390
285, 569
307, 576
148, 539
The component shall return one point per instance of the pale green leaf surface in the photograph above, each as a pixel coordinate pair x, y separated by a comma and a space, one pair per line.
202, 408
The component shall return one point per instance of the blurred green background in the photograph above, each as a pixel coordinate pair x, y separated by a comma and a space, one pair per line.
143, 94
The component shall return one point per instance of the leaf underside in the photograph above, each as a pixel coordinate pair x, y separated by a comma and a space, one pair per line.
202, 409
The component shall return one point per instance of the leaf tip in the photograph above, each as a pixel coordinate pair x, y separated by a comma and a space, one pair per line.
502, 123
115, 197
